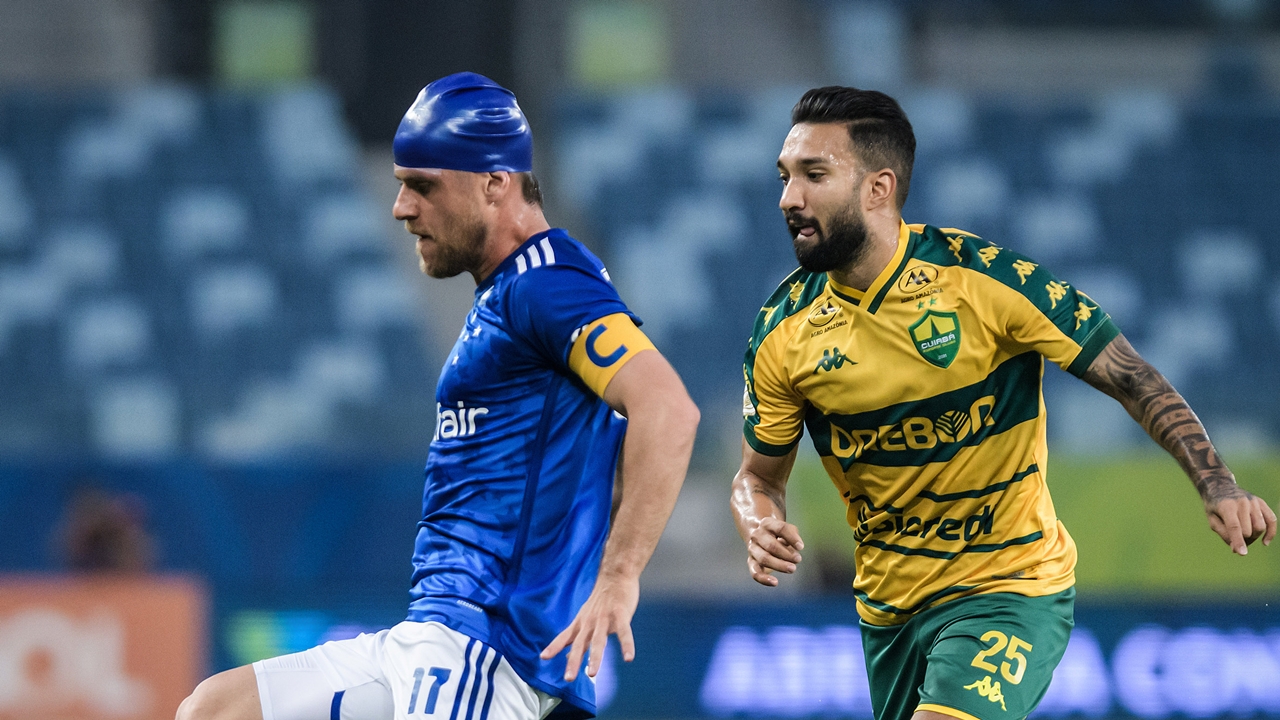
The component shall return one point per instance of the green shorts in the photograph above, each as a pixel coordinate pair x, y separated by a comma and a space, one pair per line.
983, 657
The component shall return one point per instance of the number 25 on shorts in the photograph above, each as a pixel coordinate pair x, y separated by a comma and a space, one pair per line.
1012, 646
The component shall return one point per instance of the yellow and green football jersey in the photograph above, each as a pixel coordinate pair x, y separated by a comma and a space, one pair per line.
923, 398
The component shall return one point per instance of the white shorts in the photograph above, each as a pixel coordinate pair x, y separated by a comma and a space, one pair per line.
413, 670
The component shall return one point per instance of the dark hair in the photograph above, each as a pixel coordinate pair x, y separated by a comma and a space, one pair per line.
881, 134
529, 188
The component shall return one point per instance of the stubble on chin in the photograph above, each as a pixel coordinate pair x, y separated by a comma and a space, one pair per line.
440, 269
451, 258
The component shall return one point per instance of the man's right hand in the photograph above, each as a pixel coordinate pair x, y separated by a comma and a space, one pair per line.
773, 545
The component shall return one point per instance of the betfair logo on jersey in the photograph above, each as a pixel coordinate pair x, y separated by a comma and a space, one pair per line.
937, 336
824, 313
916, 278
451, 423
832, 359
915, 433
950, 529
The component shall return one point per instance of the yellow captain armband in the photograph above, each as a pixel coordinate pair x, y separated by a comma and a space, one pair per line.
601, 348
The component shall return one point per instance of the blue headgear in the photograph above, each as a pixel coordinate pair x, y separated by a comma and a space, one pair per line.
465, 122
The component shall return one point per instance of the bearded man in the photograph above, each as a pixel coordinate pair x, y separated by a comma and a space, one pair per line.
913, 355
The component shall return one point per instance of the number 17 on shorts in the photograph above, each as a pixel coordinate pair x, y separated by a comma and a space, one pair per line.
437, 672
439, 676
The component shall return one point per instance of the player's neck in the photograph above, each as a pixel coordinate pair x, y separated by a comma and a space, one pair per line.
882, 243
521, 222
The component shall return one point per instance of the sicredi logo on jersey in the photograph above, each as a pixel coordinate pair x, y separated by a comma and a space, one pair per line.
456, 423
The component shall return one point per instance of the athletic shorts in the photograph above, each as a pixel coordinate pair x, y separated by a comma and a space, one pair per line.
413, 670
983, 657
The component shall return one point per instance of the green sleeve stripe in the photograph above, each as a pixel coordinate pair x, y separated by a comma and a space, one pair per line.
763, 447
1097, 341
906, 257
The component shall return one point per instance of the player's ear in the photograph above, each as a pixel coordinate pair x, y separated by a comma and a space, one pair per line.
496, 184
880, 187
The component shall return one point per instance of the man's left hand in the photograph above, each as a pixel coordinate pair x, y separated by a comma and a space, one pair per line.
1238, 516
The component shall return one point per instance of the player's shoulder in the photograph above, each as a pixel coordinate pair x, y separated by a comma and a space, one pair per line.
952, 247
555, 259
794, 294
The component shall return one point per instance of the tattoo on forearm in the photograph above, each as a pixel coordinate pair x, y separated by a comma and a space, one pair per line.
773, 494
1149, 398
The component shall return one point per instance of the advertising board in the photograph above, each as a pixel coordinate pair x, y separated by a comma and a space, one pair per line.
803, 658
99, 648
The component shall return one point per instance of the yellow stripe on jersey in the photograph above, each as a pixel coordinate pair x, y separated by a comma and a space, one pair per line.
931, 707
601, 349
923, 398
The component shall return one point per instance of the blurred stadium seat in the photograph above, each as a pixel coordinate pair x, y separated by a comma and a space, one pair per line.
199, 309
1103, 190
204, 259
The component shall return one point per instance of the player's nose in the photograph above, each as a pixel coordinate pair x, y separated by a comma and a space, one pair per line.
792, 198
403, 208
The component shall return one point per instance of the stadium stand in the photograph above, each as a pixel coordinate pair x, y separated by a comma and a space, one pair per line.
1152, 204
197, 308
199, 273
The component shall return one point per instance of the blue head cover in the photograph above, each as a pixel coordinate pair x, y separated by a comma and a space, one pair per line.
465, 122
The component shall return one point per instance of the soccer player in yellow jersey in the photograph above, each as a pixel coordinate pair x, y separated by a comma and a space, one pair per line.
913, 355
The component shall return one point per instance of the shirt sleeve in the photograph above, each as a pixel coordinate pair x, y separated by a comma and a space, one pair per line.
551, 304
1055, 318
773, 409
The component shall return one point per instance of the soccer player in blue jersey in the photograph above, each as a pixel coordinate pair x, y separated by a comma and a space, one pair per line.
562, 439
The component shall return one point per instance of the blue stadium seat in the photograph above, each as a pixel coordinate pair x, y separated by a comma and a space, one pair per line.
218, 239
1108, 187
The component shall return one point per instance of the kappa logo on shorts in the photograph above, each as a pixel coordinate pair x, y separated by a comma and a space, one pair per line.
989, 690
1012, 668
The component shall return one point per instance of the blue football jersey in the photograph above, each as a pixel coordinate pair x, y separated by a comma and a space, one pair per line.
519, 479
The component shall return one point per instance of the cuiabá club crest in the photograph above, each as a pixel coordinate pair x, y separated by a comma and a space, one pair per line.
937, 336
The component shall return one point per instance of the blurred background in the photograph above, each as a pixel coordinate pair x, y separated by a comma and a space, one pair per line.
218, 359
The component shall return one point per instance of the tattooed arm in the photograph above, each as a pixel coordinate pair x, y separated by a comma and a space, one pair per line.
760, 510
1237, 516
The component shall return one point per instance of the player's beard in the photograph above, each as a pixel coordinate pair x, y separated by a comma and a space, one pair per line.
462, 251
841, 243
